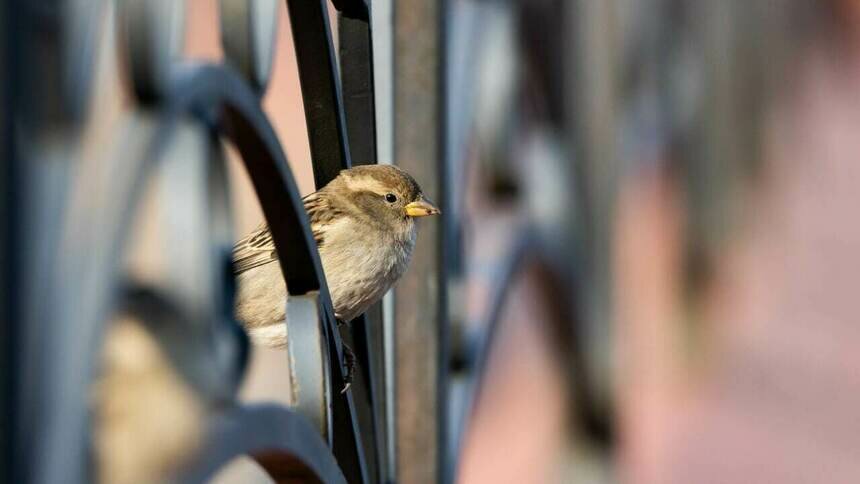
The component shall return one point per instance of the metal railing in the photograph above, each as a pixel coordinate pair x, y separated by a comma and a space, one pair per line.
181, 112
67, 228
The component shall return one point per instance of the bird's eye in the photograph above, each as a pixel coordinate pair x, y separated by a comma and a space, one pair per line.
390, 198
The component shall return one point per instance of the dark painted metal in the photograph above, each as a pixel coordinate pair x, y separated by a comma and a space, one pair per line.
585, 89
366, 332
272, 180
356, 64
330, 152
215, 96
354, 9
288, 447
353, 335
10, 219
347, 436
52, 70
340, 129
348, 442
320, 88
297, 253
197, 89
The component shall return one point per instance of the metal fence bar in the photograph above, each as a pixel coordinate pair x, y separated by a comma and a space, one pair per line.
285, 445
381, 21
320, 88
348, 444
10, 184
356, 64
330, 152
48, 112
366, 332
420, 296
197, 90
347, 440
592, 72
211, 101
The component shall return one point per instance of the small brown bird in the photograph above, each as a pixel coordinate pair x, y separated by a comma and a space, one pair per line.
364, 224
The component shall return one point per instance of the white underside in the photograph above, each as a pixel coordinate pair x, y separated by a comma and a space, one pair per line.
359, 270
272, 336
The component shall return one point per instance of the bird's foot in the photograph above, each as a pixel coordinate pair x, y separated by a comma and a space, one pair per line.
349, 365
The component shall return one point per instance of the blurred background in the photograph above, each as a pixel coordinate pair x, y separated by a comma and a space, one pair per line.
645, 272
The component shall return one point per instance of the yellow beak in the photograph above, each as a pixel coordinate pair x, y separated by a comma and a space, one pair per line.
421, 208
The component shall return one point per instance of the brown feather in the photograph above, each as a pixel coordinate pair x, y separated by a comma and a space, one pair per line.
258, 248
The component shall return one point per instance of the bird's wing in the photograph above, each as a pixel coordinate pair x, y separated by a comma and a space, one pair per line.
322, 211
258, 248
254, 250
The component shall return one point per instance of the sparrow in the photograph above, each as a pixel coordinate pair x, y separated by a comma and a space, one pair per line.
363, 222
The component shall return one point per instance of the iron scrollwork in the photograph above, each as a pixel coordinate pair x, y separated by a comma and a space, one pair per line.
181, 113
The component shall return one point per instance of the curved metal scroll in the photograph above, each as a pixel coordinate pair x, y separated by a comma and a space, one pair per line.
248, 32
308, 353
285, 445
194, 89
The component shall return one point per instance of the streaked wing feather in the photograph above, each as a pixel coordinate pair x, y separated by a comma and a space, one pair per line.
258, 248
254, 250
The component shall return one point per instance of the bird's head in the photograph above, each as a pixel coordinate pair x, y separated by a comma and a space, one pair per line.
385, 194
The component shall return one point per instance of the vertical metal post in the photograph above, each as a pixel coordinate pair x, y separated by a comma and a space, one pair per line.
593, 70
381, 31
48, 111
320, 88
356, 68
356, 65
420, 334
9, 205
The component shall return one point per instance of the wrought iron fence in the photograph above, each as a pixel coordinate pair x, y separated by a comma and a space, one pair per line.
181, 112
66, 229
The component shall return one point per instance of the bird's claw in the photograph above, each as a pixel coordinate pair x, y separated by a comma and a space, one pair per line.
349, 365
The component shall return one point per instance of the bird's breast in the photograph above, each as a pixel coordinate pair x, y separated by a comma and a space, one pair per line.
360, 265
